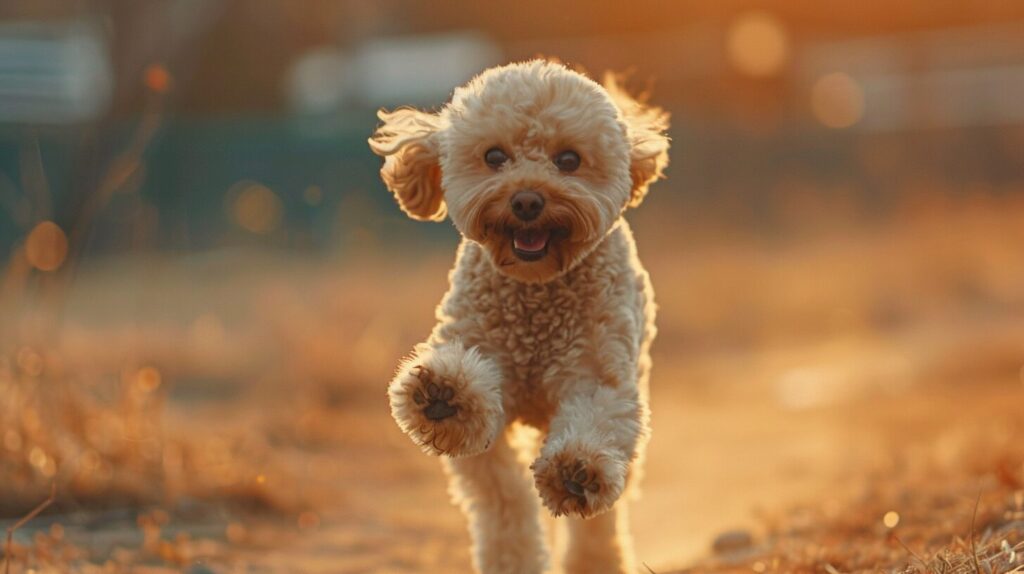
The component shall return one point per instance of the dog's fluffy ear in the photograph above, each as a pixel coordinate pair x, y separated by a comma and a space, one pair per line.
411, 169
645, 128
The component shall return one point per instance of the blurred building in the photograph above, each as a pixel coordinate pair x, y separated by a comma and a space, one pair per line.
236, 55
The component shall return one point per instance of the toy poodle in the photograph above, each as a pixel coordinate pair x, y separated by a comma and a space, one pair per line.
549, 317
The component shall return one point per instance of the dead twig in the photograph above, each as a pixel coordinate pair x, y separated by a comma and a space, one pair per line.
974, 550
25, 520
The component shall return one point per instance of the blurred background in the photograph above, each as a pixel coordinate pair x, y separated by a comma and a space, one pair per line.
204, 287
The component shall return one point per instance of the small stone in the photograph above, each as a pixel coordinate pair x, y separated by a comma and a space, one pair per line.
732, 541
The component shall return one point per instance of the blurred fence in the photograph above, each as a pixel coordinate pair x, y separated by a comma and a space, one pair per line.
308, 183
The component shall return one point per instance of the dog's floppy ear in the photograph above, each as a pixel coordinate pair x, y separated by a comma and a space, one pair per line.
411, 169
645, 128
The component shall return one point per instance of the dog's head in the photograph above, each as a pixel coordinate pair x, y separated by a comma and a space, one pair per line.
533, 161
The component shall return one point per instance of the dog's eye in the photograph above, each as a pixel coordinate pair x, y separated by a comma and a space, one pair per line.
568, 161
495, 157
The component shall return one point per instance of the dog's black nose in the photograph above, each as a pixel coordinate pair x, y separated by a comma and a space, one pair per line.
527, 205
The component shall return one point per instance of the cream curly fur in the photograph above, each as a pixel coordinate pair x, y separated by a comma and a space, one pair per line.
560, 343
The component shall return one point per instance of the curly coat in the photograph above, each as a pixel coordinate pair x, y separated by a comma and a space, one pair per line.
558, 340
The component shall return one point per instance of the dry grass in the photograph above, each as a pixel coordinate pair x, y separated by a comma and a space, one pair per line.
106, 445
9, 542
911, 521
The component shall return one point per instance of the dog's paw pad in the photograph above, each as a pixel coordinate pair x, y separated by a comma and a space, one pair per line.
432, 396
579, 480
439, 410
572, 485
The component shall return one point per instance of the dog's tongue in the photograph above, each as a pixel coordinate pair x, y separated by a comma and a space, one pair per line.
531, 239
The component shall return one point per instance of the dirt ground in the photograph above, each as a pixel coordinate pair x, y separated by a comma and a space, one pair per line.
848, 402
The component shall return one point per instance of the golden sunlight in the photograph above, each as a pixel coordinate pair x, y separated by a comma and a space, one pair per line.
255, 207
891, 519
147, 379
157, 78
46, 246
837, 100
757, 44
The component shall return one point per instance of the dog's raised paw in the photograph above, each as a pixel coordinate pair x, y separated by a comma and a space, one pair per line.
575, 481
447, 405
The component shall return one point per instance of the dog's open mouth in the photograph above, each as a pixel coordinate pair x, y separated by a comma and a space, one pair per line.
530, 244
533, 243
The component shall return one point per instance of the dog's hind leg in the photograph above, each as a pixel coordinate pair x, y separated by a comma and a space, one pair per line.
495, 492
600, 544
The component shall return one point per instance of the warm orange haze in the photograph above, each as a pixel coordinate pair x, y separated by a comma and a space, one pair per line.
205, 287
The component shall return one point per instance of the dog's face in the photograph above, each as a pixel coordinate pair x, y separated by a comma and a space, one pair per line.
533, 161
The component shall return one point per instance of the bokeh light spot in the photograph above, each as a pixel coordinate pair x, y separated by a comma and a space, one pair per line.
891, 519
46, 246
49, 468
36, 457
313, 195
837, 100
255, 207
157, 78
147, 379
757, 44
235, 532
308, 520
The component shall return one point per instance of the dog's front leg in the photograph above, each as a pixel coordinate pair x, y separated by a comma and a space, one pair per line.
593, 438
582, 471
447, 398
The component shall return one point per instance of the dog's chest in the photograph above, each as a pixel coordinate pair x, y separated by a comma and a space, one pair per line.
586, 326
544, 337
540, 328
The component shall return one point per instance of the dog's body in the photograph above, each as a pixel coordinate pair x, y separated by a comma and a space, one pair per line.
550, 316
